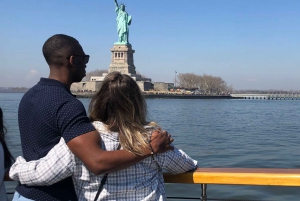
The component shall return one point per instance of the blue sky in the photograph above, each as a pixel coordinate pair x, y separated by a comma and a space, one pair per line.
251, 44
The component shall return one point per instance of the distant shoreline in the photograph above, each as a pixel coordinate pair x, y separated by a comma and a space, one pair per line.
159, 96
167, 96
15, 92
13, 89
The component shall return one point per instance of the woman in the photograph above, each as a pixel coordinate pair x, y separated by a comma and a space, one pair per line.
118, 111
6, 158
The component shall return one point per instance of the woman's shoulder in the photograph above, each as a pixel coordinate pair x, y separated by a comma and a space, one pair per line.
103, 131
100, 126
151, 126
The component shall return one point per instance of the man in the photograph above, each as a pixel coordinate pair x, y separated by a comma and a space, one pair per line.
48, 111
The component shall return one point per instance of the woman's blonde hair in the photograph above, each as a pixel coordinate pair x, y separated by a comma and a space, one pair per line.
119, 104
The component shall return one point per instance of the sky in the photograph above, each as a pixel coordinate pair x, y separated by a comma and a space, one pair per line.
251, 44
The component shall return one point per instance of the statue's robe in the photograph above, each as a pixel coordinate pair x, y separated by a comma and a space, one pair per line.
123, 20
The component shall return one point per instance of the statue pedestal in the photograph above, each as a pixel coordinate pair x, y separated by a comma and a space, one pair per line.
122, 59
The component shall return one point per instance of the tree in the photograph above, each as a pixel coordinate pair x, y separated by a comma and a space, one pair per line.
208, 83
188, 80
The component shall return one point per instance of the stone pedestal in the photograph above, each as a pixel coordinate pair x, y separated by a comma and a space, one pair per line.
122, 59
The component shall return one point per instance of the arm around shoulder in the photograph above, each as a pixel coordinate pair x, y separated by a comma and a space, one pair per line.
87, 148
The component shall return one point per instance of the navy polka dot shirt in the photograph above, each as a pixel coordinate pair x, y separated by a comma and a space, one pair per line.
47, 112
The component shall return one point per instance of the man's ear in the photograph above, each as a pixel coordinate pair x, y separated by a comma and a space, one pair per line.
72, 60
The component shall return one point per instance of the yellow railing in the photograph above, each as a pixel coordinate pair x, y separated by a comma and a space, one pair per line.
237, 176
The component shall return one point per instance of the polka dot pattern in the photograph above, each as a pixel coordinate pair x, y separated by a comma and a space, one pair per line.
47, 112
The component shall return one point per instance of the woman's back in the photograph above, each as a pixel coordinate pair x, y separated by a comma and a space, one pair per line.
142, 181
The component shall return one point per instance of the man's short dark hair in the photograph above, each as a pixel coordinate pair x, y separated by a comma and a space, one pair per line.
57, 47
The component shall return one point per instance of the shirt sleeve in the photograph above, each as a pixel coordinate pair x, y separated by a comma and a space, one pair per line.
176, 161
72, 120
57, 165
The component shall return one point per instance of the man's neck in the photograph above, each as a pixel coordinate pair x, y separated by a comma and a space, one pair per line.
61, 76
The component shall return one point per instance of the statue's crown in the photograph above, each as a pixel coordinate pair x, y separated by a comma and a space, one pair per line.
122, 4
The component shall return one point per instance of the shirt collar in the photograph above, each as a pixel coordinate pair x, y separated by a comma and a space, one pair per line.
52, 82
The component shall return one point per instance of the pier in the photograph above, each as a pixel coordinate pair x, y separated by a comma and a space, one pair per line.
283, 96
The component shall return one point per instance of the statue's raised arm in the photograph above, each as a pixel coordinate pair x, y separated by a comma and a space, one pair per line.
116, 3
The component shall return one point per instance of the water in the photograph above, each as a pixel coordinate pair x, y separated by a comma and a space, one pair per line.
217, 133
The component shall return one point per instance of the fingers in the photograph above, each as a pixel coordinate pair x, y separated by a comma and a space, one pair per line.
161, 141
168, 136
171, 140
168, 145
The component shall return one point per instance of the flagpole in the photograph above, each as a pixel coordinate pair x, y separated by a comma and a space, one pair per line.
175, 79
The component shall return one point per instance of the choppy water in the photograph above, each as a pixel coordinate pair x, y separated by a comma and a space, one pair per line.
217, 133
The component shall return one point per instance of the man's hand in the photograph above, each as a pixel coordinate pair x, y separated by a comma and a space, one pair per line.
161, 141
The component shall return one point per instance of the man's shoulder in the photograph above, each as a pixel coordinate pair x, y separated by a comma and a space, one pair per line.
30, 91
50, 98
44, 91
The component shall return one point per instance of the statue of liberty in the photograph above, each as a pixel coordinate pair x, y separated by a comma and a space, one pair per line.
123, 21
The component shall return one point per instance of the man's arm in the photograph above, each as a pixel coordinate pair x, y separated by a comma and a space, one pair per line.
85, 142
57, 165
87, 148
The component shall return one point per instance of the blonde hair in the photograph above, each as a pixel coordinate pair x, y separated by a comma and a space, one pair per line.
119, 104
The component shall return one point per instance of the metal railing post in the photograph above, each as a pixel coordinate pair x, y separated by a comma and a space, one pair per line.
203, 194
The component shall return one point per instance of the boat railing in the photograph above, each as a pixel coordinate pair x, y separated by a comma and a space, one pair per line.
234, 176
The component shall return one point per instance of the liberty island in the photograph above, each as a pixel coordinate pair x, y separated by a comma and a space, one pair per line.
122, 60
